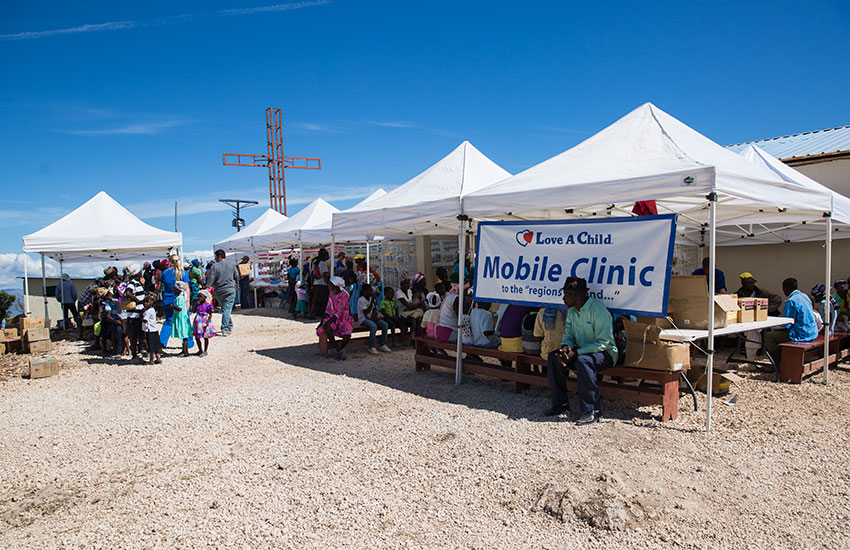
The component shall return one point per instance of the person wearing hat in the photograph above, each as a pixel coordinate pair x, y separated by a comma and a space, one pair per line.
587, 347
196, 282
134, 297
819, 300
841, 296
360, 261
774, 302
245, 298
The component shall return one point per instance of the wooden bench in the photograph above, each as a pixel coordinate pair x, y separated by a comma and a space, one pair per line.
361, 340
799, 359
518, 368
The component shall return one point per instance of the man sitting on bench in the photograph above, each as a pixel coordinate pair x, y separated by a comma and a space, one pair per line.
798, 306
587, 347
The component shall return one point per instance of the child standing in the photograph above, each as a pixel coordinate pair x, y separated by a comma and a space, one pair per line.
389, 309
203, 327
180, 327
301, 305
150, 329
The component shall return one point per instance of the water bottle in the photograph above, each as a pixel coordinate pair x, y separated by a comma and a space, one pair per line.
3, 325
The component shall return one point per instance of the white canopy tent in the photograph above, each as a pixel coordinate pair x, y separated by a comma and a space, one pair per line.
649, 155
99, 230
240, 241
324, 233
427, 204
288, 233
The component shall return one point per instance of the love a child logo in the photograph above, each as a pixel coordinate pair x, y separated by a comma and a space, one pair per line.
524, 237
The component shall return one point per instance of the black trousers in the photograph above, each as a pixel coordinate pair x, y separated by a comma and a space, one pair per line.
586, 367
134, 333
320, 299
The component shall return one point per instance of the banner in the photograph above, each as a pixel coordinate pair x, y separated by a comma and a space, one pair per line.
626, 262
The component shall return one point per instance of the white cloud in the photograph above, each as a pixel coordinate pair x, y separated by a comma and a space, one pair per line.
136, 128
12, 267
171, 20
311, 127
393, 123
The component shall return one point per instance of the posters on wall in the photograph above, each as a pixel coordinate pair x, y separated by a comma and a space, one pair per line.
626, 261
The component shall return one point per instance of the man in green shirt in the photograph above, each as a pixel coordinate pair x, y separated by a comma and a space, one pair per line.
587, 348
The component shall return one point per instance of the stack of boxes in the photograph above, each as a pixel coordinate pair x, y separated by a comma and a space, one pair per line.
31, 336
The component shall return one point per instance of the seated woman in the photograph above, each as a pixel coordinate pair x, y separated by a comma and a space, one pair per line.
511, 328
337, 321
549, 329
447, 320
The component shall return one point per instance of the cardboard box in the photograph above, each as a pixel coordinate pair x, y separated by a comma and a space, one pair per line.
42, 368
747, 311
688, 303
645, 350
37, 334
32, 321
9, 334
761, 309
40, 347
721, 382
244, 269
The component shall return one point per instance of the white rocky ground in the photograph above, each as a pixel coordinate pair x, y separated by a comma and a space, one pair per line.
263, 444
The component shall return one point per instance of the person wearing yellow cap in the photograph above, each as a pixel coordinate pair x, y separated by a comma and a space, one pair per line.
750, 290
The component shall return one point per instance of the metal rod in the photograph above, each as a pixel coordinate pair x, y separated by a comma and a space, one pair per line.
62, 292
301, 263
368, 268
827, 309
26, 287
461, 239
712, 263
44, 292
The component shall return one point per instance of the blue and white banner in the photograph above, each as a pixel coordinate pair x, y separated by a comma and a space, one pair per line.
626, 262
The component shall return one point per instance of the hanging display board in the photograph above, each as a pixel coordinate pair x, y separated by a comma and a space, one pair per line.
626, 262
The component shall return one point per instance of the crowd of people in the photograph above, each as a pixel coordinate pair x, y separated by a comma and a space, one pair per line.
342, 293
136, 311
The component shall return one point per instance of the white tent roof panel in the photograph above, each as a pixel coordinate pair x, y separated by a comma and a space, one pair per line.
101, 229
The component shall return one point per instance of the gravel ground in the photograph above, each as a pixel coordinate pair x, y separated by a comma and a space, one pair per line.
265, 444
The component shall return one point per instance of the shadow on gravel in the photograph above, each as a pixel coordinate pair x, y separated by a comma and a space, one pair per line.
396, 371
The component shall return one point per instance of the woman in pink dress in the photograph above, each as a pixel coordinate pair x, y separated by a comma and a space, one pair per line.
337, 321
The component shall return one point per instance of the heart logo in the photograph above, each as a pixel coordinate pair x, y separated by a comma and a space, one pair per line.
524, 237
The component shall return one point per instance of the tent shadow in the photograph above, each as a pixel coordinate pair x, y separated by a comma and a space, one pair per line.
476, 392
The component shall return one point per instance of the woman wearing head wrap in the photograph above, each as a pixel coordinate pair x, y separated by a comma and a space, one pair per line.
196, 281
337, 321
167, 281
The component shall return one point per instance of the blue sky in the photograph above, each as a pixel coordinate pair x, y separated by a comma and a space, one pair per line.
141, 99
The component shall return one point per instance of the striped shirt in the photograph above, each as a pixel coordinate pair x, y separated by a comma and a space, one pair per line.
137, 289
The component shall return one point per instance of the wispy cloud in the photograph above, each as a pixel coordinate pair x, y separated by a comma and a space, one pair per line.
312, 127
393, 123
136, 128
171, 20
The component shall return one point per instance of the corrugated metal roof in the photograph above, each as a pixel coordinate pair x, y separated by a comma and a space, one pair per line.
819, 142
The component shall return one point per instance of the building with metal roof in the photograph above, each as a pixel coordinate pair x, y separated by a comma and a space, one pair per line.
806, 147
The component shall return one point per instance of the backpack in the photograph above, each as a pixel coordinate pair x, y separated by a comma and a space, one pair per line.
529, 344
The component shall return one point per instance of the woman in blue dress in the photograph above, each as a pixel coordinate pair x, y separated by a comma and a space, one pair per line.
169, 294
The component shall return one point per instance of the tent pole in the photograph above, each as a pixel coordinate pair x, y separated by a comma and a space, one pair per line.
827, 313
44, 292
712, 263
300, 262
461, 239
333, 253
62, 291
256, 272
368, 267
26, 288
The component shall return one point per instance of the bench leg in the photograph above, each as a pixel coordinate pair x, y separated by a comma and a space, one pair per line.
523, 368
323, 345
421, 349
670, 404
791, 365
